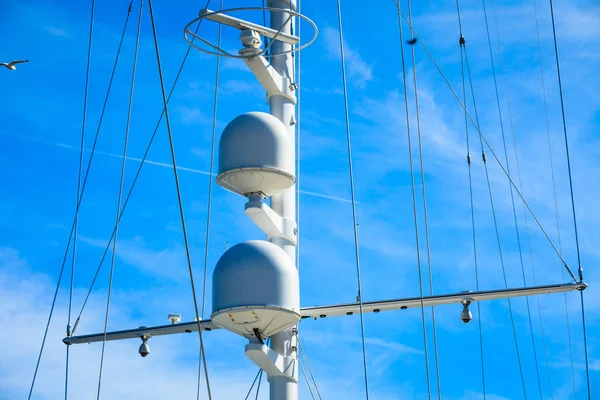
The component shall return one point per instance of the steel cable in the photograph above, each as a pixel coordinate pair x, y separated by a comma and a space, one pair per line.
423, 190
134, 181
564, 123
179, 199
537, 29
414, 200
352, 193
489, 146
83, 123
463, 52
210, 189
119, 198
512, 199
75, 219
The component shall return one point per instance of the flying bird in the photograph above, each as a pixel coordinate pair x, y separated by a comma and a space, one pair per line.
12, 65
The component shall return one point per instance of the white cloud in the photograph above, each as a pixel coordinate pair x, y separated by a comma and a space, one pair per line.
192, 116
54, 31
358, 70
166, 262
236, 86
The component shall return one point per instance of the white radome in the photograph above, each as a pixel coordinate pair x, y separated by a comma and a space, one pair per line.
255, 156
255, 285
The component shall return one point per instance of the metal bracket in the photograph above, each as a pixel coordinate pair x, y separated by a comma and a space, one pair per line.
273, 363
274, 83
271, 223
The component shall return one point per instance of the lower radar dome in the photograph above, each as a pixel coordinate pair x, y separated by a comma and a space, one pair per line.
255, 286
256, 155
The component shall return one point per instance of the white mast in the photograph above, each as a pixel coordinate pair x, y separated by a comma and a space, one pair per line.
284, 203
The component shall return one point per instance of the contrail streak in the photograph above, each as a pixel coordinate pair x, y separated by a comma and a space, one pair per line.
156, 163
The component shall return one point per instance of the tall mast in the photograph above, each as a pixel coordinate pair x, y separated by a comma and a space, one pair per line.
284, 203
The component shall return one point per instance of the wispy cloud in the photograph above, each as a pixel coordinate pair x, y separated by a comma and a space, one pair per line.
236, 86
54, 31
359, 71
166, 262
192, 116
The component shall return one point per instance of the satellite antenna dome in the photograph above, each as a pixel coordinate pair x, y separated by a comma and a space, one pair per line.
255, 286
256, 156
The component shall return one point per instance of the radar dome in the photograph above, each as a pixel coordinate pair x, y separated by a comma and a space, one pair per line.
255, 286
256, 156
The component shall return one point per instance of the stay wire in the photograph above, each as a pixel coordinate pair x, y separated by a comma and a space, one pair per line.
83, 123
414, 200
425, 220
119, 198
75, 218
484, 159
135, 178
256, 378
543, 81
463, 51
179, 199
564, 123
352, 193
210, 190
312, 377
512, 198
493, 209
306, 378
489, 146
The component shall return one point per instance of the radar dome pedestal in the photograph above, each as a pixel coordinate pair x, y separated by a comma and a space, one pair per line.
255, 156
255, 286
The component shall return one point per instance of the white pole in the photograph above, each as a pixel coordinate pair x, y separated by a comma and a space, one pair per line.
282, 388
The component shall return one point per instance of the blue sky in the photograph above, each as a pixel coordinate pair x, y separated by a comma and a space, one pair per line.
40, 127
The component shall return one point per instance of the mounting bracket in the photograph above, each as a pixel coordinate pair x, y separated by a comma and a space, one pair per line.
273, 363
272, 81
271, 223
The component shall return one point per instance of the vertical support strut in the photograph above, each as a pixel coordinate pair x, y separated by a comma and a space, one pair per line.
284, 203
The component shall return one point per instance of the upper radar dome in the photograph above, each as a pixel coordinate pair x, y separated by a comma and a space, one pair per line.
255, 156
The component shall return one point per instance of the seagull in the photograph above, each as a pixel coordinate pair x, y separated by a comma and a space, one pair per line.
11, 65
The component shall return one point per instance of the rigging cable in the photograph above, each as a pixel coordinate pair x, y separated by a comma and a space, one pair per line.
259, 382
537, 28
579, 269
312, 377
201, 359
489, 146
306, 378
134, 181
493, 209
256, 378
414, 68
414, 199
463, 52
512, 198
352, 193
80, 197
83, 122
179, 199
119, 198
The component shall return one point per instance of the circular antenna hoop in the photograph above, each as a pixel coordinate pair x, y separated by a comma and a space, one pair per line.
203, 14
